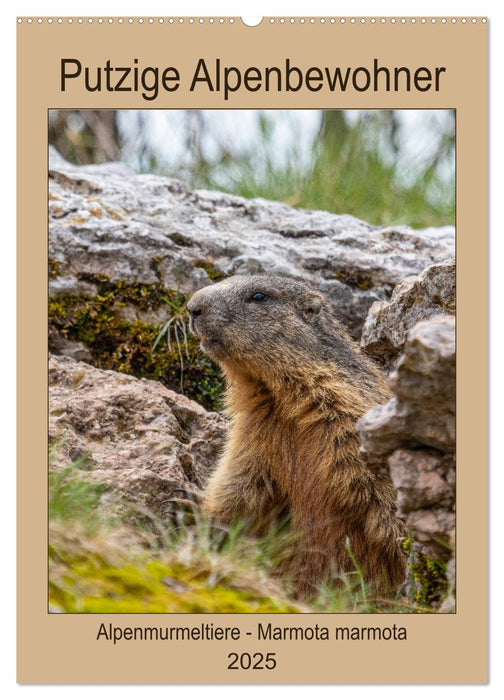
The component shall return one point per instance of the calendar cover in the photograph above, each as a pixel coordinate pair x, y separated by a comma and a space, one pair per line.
252, 342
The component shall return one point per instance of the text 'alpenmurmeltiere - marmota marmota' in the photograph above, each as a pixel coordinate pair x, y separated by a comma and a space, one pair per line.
296, 385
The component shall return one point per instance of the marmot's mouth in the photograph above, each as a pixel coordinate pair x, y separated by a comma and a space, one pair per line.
208, 341
211, 345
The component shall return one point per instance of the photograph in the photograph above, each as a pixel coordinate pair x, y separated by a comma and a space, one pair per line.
252, 362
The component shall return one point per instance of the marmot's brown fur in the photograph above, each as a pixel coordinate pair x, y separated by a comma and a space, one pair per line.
296, 385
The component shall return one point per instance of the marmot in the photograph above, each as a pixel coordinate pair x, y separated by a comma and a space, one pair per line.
296, 386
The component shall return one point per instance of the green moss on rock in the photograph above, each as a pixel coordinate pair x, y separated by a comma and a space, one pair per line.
54, 268
124, 345
428, 580
86, 576
355, 279
213, 273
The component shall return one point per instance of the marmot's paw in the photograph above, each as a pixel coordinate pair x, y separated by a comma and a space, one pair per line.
183, 510
189, 497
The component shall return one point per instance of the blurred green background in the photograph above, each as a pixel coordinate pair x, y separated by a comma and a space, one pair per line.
383, 166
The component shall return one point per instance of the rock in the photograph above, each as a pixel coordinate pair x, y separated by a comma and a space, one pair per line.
412, 437
435, 529
425, 372
415, 299
423, 479
422, 411
71, 286
400, 423
106, 220
62, 346
134, 434
448, 605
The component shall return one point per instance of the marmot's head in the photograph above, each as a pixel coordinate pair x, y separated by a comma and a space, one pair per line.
258, 320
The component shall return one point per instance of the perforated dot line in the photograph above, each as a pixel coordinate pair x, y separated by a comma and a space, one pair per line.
232, 20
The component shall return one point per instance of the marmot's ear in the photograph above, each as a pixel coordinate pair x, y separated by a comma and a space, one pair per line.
312, 303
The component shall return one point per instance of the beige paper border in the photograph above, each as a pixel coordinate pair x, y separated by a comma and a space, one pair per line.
63, 648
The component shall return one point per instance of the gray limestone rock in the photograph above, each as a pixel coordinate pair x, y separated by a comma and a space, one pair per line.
415, 299
107, 220
135, 435
412, 437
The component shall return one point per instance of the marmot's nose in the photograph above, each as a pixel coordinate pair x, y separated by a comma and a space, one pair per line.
195, 307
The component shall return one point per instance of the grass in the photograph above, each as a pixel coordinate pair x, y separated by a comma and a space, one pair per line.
176, 325
346, 173
357, 163
104, 558
108, 556
74, 499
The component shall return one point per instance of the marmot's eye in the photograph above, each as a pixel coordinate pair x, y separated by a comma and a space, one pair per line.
258, 296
